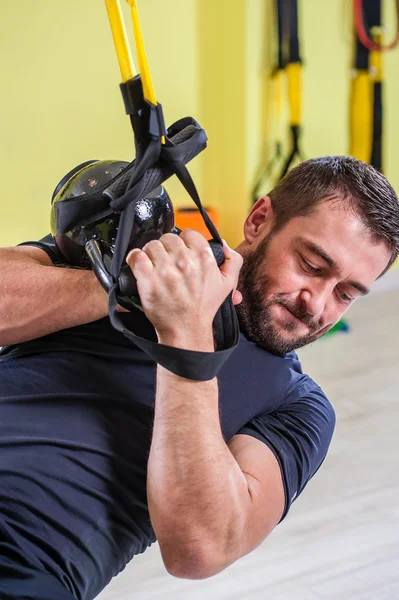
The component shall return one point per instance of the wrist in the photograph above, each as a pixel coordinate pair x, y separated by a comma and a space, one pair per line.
198, 339
97, 295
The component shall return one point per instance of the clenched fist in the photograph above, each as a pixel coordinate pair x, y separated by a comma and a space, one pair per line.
181, 287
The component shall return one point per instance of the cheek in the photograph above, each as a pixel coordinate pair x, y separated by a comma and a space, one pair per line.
334, 312
286, 277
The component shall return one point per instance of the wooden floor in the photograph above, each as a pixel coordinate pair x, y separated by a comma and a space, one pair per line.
341, 537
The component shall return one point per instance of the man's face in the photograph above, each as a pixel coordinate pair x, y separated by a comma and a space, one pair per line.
297, 283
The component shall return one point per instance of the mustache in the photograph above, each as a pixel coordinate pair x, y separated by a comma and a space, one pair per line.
299, 313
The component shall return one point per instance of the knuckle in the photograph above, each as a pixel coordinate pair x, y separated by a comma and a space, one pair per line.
191, 234
187, 231
170, 238
152, 245
207, 254
185, 263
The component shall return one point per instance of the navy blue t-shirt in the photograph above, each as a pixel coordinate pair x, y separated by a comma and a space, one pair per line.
77, 411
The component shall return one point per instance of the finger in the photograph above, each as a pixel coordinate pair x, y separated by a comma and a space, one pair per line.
139, 263
237, 297
131, 257
173, 243
179, 254
232, 264
156, 252
227, 250
193, 239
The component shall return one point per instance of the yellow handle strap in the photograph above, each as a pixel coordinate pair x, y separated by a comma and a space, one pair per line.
294, 77
148, 89
128, 69
361, 116
277, 81
278, 92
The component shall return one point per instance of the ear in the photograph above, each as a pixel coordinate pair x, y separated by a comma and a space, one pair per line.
259, 221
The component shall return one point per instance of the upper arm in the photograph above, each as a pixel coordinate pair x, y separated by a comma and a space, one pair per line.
35, 253
45, 251
265, 486
279, 453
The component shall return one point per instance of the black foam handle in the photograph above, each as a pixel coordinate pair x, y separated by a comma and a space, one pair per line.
191, 141
218, 252
128, 284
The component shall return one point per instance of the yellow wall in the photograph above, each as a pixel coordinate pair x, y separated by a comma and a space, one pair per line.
61, 105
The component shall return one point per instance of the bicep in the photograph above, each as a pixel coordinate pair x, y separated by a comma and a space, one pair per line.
265, 486
34, 253
44, 251
279, 453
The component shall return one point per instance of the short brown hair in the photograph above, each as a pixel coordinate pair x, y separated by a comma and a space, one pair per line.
343, 178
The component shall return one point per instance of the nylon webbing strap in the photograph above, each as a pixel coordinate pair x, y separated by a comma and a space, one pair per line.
366, 92
158, 155
270, 168
281, 58
288, 16
200, 366
149, 158
293, 40
373, 16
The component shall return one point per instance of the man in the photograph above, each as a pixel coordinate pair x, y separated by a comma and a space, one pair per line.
102, 452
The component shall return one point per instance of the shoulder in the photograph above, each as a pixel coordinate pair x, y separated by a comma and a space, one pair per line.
309, 421
299, 434
263, 374
254, 382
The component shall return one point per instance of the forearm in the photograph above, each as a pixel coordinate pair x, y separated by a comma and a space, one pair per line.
197, 494
36, 300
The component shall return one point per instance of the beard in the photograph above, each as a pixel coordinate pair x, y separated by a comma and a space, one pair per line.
254, 312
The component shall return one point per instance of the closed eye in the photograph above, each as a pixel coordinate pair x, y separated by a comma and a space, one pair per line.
345, 298
310, 268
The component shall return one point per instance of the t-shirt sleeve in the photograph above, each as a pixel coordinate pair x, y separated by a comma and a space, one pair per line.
299, 435
48, 245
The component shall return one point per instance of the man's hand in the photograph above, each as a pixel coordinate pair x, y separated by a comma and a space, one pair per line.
180, 285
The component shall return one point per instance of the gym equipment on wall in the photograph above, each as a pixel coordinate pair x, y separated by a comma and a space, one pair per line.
288, 69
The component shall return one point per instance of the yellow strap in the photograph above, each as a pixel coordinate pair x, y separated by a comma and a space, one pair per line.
278, 92
361, 116
128, 69
148, 88
278, 129
294, 76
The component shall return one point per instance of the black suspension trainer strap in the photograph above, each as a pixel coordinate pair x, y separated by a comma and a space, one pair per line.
288, 11
372, 10
194, 365
366, 90
170, 157
269, 169
160, 153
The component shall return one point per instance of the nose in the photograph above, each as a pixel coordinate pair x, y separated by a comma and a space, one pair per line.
315, 297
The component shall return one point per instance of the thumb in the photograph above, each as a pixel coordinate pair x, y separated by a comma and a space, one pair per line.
232, 265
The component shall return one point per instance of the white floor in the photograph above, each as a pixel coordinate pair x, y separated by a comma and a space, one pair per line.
341, 538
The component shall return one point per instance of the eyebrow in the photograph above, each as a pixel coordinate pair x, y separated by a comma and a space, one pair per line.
358, 286
318, 251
